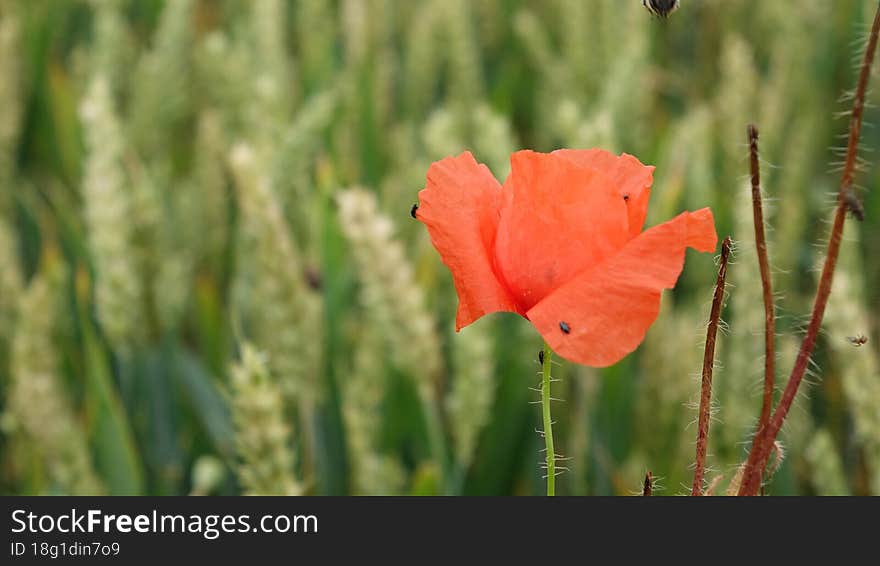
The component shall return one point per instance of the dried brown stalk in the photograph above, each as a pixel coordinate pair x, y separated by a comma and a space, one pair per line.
766, 283
708, 366
762, 444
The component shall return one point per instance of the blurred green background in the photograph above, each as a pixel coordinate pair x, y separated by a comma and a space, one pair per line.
210, 282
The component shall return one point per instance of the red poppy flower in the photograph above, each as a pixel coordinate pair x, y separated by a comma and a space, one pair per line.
561, 243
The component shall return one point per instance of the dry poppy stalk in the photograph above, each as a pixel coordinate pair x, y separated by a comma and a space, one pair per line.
766, 283
708, 366
763, 442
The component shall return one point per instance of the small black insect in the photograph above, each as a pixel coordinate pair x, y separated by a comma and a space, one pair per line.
626, 196
564, 327
661, 8
413, 210
854, 205
541, 356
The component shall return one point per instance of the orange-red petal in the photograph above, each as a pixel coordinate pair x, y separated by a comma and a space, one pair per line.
460, 205
631, 179
608, 310
559, 218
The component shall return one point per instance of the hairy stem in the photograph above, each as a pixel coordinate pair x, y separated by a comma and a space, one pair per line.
766, 284
763, 444
708, 366
550, 456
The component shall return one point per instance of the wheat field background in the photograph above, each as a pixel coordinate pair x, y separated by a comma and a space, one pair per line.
210, 282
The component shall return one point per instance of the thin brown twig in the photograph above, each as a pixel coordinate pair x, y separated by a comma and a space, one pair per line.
766, 283
762, 444
648, 489
708, 366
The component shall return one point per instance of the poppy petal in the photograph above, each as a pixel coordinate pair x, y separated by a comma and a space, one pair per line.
560, 218
631, 178
602, 315
460, 205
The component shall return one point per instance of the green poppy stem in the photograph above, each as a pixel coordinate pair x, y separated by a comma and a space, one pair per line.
550, 457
